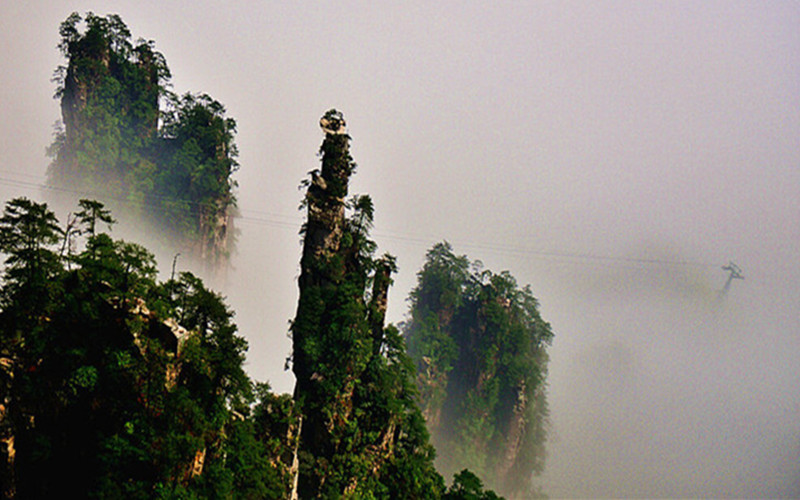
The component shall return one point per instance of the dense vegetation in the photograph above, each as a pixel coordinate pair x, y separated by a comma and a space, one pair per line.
114, 385
129, 140
479, 345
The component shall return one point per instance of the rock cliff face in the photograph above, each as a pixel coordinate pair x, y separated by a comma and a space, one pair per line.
479, 345
323, 269
109, 99
177, 176
329, 333
493, 421
353, 385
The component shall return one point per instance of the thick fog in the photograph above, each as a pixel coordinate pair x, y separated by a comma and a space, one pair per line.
613, 155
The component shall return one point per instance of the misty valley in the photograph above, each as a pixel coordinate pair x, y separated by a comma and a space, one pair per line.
116, 384
423, 250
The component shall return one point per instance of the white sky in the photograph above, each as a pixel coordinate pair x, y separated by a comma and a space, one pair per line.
525, 133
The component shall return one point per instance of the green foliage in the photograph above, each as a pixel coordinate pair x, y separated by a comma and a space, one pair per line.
117, 386
193, 182
178, 175
479, 345
467, 486
91, 213
28, 231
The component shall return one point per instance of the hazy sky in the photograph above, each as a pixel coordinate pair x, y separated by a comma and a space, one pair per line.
613, 155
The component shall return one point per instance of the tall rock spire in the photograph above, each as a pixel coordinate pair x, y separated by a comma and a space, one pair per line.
361, 430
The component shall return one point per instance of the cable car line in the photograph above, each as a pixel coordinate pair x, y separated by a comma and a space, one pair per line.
272, 219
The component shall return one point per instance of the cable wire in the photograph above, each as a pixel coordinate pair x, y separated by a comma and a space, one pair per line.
272, 219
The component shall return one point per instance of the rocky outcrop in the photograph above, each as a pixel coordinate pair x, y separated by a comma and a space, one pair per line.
177, 176
479, 346
100, 76
354, 400
322, 264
